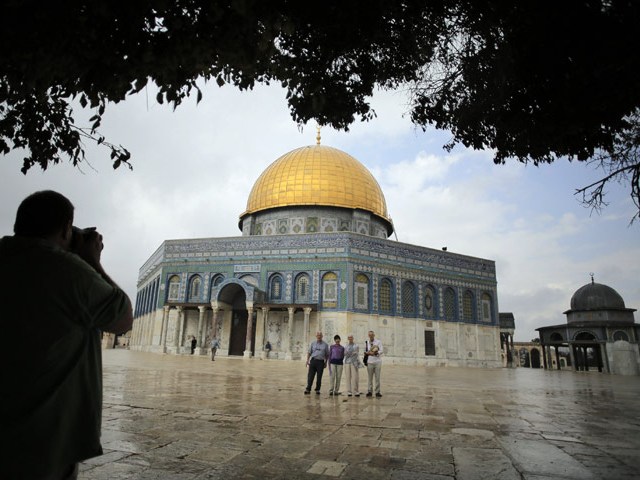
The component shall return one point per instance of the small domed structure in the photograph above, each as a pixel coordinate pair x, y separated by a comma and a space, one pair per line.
596, 296
600, 332
599, 303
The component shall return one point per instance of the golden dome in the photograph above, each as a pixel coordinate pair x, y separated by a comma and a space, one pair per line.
317, 175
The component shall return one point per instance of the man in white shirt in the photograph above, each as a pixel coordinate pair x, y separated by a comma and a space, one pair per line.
373, 351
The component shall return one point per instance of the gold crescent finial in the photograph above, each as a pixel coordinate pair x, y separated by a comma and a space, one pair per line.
318, 135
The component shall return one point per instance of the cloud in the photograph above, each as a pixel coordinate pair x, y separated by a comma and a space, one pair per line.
543, 250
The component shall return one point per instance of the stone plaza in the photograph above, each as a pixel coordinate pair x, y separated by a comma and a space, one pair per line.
185, 417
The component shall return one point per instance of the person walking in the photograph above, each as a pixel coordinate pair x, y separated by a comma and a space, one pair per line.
374, 363
336, 360
351, 366
215, 344
317, 357
194, 342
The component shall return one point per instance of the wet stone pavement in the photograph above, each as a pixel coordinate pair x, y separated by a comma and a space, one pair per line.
185, 417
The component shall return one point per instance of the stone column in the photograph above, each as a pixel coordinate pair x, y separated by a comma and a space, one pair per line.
585, 355
557, 358
543, 347
262, 330
247, 346
199, 346
598, 353
289, 337
163, 330
305, 336
507, 351
572, 357
512, 350
178, 331
605, 358
214, 320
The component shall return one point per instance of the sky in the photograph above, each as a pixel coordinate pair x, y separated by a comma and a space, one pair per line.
193, 169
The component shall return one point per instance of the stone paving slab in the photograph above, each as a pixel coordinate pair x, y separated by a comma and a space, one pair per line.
187, 418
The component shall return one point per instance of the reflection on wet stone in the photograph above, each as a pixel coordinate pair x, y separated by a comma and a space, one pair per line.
182, 417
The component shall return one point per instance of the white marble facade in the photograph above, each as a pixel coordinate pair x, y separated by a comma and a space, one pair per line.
456, 344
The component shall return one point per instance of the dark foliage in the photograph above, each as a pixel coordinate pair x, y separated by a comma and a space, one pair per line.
534, 81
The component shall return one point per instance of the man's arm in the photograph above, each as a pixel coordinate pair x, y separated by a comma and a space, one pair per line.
124, 323
90, 250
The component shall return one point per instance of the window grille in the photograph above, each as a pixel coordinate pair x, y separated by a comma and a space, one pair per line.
408, 298
194, 289
467, 305
361, 291
385, 295
174, 288
449, 304
330, 290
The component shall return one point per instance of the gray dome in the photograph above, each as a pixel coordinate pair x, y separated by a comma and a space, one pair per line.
595, 296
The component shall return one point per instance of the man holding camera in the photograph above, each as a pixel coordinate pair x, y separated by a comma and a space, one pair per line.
55, 294
373, 351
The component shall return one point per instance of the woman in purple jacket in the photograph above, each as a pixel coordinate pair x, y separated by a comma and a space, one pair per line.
336, 360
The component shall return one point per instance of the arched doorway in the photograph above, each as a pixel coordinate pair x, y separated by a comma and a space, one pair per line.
233, 294
535, 358
586, 351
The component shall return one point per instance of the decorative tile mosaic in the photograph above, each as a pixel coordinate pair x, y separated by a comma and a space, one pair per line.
329, 225
269, 228
297, 225
312, 225
362, 227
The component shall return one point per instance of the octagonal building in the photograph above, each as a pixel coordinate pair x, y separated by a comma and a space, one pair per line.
600, 333
315, 254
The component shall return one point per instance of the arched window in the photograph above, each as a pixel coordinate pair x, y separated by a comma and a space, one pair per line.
385, 303
556, 337
587, 336
215, 281
330, 290
487, 308
195, 288
450, 310
408, 298
361, 292
467, 305
620, 335
174, 288
275, 288
430, 302
302, 288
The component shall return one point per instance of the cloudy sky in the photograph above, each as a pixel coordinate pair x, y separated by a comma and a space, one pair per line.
194, 168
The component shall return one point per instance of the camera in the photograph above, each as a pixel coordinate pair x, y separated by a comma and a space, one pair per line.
79, 236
